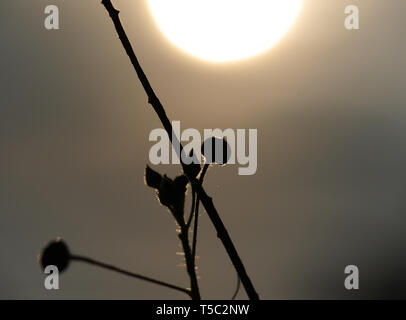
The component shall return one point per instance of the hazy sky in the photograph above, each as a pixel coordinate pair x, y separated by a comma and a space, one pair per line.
329, 106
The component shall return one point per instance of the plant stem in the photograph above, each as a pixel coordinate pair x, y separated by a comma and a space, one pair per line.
190, 264
207, 201
128, 273
192, 209
237, 289
195, 228
196, 222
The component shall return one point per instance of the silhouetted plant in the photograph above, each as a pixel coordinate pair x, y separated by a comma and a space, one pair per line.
171, 194
57, 253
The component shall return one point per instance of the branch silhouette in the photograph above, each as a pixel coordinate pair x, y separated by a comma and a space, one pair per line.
206, 200
171, 194
56, 253
129, 273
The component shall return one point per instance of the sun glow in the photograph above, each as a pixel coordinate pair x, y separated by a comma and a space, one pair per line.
224, 30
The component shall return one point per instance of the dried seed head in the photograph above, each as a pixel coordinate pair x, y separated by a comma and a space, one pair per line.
152, 178
55, 253
216, 150
180, 184
192, 169
166, 191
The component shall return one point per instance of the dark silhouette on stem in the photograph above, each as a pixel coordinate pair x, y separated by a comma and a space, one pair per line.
207, 201
171, 194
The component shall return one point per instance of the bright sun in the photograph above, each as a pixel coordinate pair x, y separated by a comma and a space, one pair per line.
224, 30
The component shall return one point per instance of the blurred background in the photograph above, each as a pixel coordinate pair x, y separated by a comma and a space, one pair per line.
329, 106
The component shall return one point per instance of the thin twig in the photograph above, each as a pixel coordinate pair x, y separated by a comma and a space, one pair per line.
128, 273
195, 228
178, 214
190, 264
207, 201
237, 288
196, 223
192, 209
